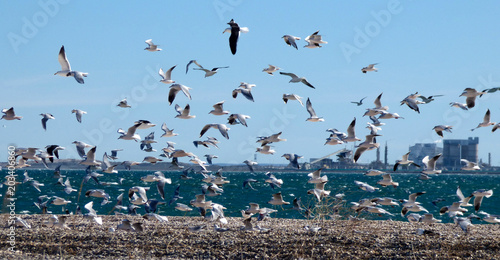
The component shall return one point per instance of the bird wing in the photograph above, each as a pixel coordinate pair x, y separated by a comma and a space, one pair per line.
350, 129
246, 93
233, 39
470, 101
486, 118
162, 74
205, 129
310, 108
172, 93
168, 73
63, 60
289, 74
79, 116
185, 90
223, 130
186, 110
89, 207
242, 119
377, 102
91, 154
358, 153
131, 130
105, 160
44, 123
303, 80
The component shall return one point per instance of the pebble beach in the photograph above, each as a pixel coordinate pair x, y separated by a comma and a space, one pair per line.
280, 239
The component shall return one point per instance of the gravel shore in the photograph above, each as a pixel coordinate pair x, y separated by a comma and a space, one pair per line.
285, 239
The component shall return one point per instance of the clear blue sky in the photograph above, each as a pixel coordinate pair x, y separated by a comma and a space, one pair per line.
434, 48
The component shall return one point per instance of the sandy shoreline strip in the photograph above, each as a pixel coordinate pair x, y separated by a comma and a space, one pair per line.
286, 239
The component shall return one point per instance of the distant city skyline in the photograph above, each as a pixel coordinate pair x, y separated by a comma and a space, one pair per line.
431, 56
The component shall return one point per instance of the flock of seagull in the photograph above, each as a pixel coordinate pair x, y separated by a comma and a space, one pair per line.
138, 196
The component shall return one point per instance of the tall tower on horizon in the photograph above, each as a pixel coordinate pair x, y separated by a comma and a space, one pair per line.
385, 156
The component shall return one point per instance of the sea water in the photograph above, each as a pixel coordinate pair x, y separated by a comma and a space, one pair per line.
235, 197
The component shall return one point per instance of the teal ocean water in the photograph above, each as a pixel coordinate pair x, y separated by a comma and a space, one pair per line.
235, 198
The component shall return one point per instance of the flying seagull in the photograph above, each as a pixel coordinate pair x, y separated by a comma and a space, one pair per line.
9, 114
290, 40
151, 46
183, 113
235, 33
66, 68
271, 69
78, 114
471, 95
223, 129
211, 72
287, 97
314, 40
46, 117
486, 121
369, 68
404, 161
440, 128
123, 103
313, 117
174, 89
296, 79
166, 75
358, 103
191, 62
